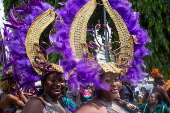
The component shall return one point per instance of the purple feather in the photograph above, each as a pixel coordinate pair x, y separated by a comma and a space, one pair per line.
23, 72
83, 74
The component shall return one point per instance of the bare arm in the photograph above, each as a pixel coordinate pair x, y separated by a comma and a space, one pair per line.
22, 96
34, 106
165, 96
14, 100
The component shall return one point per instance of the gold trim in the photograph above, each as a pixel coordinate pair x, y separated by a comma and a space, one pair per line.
127, 45
33, 36
79, 27
78, 36
57, 67
110, 67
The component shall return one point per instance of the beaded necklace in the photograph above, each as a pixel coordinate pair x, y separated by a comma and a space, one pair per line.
106, 103
56, 106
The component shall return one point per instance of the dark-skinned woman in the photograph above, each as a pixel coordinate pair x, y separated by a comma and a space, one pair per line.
159, 86
154, 105
9, 101
52, 99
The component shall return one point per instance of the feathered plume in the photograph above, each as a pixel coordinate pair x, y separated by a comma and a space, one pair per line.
62, 44
167, 85
155, 73
14, 38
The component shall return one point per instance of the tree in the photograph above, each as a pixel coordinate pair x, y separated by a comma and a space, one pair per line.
154, 17
8, 4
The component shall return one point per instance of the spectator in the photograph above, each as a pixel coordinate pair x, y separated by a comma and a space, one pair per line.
9, 101
154, 105
159, 86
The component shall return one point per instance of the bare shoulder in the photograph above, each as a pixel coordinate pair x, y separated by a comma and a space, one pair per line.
159, 89
91, 107
10, 98
34, 105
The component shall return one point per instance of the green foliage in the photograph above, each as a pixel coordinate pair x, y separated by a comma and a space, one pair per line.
154, 17
9, 4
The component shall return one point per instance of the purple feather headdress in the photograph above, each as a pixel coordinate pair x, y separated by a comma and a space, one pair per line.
82, 75
15, 34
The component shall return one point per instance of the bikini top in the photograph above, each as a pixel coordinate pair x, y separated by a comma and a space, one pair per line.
68, 104
12, 109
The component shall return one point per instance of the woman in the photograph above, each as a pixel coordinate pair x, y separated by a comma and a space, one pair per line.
107, 101
9, 101
52, 100
159, 86
154, 105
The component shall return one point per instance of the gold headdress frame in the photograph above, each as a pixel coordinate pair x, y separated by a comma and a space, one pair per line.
78, 34
79, 27
33, 36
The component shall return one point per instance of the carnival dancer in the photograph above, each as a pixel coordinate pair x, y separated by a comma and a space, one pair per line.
30, 59
9, 100
52, 99
154, 104
159, 86
80, 67
106, 101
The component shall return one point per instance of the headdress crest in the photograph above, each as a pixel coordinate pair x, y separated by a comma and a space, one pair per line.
70, 40
155, 73
72, 35
25, 53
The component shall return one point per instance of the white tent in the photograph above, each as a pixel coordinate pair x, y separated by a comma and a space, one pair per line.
38, 83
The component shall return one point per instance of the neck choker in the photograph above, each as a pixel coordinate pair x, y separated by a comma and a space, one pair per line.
55, 105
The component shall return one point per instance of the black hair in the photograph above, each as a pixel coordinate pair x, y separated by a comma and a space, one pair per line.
158, 96
43, 79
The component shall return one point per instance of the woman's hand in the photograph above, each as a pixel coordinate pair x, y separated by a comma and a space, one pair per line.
22, 96
20, 92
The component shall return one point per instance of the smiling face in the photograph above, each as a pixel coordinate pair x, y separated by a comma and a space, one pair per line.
152, 99
111, 80
54, 85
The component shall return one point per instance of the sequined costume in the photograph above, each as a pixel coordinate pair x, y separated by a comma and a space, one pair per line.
68, 104
12, 109
86, 95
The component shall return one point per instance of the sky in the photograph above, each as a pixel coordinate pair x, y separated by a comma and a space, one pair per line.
1, 15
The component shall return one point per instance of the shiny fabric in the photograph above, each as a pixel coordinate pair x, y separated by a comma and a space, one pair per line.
12, 109
68, 104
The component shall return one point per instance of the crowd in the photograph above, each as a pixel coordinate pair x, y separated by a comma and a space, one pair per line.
57, 96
